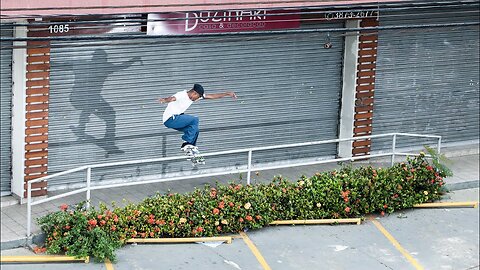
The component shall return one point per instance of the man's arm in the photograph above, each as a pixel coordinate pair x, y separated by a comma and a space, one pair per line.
220, 95
167, 100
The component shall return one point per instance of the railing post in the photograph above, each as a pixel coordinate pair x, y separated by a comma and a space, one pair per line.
249, 166
394, 143
438, 145
89, 178
29, 208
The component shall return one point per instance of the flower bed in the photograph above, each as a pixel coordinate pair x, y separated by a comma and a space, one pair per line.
212, 211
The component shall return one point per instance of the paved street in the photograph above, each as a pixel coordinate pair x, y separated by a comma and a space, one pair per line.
444, 238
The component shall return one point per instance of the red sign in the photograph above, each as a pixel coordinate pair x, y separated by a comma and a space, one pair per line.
221, 21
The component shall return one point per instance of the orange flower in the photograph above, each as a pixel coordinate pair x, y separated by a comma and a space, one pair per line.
102, 222
347, 209
113, 228
92, 222
99, 216
240, 220
249, 218
63, 207
216, 211
385, 206
200, 229
231, 204
382, 213
221, 205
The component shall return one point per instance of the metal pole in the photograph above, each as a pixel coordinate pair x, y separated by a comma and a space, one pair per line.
89, 177
29, 208
394, 143
438, 145
249, 166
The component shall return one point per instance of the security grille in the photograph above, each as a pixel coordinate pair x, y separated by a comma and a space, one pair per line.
428, 79
288, 89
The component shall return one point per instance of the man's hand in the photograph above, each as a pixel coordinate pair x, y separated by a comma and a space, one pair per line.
232, 94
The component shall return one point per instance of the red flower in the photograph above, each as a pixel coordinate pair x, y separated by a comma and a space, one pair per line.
200, 229
258, 217
216, 211
240, 220
219, 228
99, 216
113, 228
221, 205
347, 209
102, 222
151, 234
382, 213
231, 204
63, 207
67, 227
385, 206
429, 168
151, 221
115, 218
249, 218
92, 222
345, 199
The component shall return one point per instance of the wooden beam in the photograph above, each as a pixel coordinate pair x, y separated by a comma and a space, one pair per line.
228, 240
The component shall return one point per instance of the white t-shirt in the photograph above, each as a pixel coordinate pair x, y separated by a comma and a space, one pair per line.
180, 105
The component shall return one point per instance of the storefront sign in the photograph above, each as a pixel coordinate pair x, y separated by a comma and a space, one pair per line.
221, 21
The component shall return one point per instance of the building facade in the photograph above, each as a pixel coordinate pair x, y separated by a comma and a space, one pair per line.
81, 90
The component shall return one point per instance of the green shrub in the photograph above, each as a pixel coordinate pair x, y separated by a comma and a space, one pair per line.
210, 211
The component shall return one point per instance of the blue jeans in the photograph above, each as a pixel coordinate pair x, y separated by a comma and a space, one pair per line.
187, 124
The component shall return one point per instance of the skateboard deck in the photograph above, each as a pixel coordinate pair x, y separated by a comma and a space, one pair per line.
193, 155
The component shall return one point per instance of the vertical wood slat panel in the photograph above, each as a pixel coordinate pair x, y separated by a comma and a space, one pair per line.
36, 116
364, 104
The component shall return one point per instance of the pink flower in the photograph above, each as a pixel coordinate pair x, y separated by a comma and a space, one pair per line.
347, 209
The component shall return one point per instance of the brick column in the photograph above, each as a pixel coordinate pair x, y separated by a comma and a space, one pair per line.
365, 87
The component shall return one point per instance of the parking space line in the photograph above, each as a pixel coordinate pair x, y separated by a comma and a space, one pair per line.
397, 245
108, 265
255, 251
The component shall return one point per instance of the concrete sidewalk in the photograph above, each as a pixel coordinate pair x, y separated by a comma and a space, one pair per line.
465, 166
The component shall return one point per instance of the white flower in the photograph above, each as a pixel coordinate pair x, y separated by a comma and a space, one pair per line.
319, 205
183, 220
217, 223
425, 192
224, 222
247, 205
301, 183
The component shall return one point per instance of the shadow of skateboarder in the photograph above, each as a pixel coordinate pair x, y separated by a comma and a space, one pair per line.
86, 97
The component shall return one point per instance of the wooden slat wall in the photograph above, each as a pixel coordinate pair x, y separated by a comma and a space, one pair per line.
36, 140
365, 89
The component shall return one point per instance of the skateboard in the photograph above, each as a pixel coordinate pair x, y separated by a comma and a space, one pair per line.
193, 154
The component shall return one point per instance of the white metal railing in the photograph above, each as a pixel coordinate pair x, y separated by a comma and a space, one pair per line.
248, 170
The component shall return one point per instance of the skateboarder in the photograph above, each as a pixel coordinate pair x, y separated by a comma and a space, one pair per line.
174, 117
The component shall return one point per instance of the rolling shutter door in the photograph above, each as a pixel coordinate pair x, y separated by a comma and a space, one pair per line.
288, 88
6, 112
428, 79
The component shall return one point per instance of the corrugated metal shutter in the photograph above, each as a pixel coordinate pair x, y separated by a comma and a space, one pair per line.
6, 112
288, 88
428, 79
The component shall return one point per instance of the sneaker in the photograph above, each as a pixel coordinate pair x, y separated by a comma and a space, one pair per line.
185, 146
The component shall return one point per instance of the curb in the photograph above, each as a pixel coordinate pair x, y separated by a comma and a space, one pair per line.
463, 185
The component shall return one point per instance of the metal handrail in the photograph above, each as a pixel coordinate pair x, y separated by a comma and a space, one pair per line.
248, 170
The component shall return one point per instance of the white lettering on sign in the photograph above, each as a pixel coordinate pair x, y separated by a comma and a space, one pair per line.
350, 15
59, 28
227, 19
